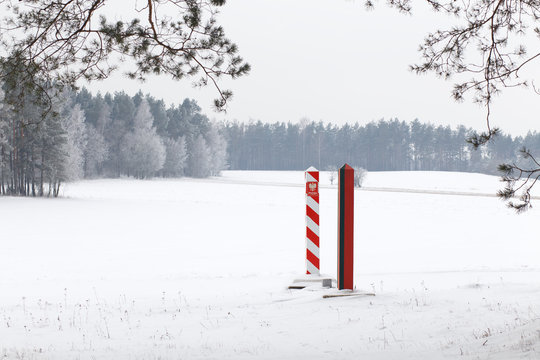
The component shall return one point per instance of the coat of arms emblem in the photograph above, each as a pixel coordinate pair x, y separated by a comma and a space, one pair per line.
312, 188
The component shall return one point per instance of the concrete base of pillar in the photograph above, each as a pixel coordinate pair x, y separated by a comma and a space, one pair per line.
319, 281
343, 293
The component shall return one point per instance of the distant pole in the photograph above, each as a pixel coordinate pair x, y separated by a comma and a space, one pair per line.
312, 221
345, 228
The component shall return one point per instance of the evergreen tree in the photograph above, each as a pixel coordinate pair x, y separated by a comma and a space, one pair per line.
4, 142
60, 42
122, 115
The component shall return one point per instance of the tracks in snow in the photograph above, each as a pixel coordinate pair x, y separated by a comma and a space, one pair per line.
369, 188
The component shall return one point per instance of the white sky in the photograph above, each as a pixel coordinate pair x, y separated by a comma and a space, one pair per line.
332, 60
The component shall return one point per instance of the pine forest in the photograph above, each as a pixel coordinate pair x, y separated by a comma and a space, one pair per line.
81, 135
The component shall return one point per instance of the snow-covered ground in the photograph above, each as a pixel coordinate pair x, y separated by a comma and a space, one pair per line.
199, 269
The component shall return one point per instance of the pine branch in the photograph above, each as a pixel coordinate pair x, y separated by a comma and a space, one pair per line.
64, 41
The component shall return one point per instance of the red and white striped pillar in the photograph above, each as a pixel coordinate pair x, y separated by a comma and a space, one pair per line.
312, 221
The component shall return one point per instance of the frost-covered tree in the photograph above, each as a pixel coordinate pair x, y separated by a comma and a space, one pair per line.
95, 153
332, 176
123, 112
143, 119
143, 154
4, 149
142, 150
359, 176
3, 119
199, 160
51, 139
33, 138
76, 142
176, 156
218, 150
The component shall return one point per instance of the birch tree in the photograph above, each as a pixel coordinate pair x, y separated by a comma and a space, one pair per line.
76, 142
218, 150
199, 160
95, 152
176, 157
142, 150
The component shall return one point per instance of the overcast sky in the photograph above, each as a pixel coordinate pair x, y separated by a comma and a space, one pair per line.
332, 60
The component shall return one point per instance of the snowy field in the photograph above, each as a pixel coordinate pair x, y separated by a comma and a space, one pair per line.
199, 269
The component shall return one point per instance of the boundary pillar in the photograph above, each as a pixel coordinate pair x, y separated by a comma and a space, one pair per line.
345, 228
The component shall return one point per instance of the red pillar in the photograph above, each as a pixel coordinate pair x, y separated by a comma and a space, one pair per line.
345, 228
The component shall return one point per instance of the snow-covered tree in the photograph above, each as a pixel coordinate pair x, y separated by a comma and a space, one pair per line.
95, 153
123, 112
218, 150
2, 95
143, 154
142, 150
4, 126
32, 140
3, 121
51, 139
175, 160
332, 176
76, 142
199, 160
359, 176
143, 117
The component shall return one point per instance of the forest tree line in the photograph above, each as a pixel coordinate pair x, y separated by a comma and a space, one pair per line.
391, 145
113, 135
80, 135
